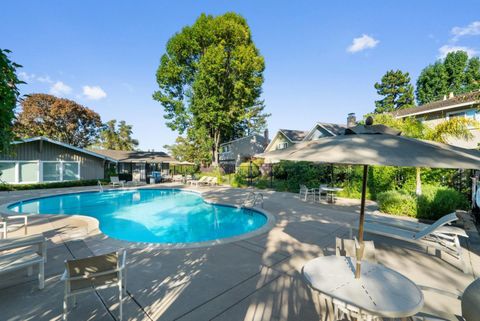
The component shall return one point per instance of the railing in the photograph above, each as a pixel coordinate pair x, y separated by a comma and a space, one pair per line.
100, 186
253, 199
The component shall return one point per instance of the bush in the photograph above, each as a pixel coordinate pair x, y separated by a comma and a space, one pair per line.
19, 187
397, 203
437, 201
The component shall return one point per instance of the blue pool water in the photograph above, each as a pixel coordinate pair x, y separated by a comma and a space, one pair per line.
151, 215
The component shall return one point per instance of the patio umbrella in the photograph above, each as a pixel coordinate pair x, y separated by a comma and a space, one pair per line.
376, 145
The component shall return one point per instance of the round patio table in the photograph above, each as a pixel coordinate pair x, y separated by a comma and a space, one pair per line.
331, 191
379, 290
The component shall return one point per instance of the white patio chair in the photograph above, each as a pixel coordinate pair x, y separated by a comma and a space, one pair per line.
213, 181
305, 193
11, 223
202, 181
115, 181
469, 299
26, 257
435, 235
347, 247
95, 273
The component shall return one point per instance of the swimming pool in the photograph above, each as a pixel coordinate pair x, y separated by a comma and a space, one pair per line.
151, 215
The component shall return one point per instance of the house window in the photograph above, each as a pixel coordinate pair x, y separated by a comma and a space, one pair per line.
8, 172
71, 171
52, 171
60, 171
28, 172
469, 113
226, 149
282, 145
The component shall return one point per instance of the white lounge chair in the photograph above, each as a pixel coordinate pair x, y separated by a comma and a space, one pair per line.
26, 257
115, 181
10, 223
95, 273
202, 181
213, 181
469, 299
437, 235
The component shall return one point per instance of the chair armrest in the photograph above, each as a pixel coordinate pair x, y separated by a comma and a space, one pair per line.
457, 295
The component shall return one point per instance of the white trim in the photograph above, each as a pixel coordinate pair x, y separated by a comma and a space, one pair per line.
438, 109
78, 149
310, 133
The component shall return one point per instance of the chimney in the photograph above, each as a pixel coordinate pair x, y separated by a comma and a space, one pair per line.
444, 97
265, 134
451, 95
351, 120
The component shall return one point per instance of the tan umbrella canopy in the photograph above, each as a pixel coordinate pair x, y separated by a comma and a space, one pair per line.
376, 145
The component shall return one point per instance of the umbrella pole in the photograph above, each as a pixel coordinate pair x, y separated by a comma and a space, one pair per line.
361, 222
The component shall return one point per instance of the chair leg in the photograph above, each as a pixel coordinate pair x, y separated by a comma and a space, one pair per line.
120, 299
41, 275
65, 308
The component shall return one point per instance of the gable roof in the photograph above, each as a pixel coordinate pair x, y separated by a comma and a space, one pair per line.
136, 156
439, 105
335, 129
294, 135
260, 137
52, 141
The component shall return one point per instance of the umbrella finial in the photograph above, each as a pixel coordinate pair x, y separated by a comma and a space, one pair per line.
369, 121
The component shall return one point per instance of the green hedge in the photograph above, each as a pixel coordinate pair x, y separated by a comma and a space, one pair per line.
434, 202
19, 187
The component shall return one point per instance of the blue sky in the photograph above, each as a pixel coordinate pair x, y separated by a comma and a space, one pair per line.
104, 54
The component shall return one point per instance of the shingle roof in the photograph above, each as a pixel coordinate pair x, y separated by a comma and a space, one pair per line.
294, 135
337, 129
463, 99
135, 156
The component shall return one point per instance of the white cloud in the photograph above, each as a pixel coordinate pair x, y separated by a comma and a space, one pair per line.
444, 50
60, 89
45, 79
362, 43
26, 76
472, 29
94, 92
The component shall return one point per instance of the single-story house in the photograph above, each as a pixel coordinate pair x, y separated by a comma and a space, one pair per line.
138, 165
40, 159
464, 105
236, 151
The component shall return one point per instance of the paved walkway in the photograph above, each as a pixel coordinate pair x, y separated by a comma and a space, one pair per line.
253, 279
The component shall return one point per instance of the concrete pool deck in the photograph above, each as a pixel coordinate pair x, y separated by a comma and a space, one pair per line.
253, 279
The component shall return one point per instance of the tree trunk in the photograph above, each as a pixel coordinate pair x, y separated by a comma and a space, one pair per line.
418, 189
215, 147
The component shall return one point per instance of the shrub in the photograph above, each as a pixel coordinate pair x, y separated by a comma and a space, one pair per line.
18, 187
397, 203
437, 201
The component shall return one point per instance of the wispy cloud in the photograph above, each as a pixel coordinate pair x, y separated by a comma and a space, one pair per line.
472, 29
362, 43
94, 92
59, 88
445, 49
26, 76
45, 79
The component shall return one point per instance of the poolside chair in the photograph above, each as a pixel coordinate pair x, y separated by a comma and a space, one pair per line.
10, 223
347, 247
305, 193
202, 181
437, 235
95, 273
469, 299
115, 181
25, 256
213, 181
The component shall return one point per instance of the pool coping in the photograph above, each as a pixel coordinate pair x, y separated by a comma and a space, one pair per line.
93, 225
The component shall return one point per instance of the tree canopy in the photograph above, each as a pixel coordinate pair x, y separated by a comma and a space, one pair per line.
210, 81
117, 137
9, 94
57, 118
455, 74
396, 90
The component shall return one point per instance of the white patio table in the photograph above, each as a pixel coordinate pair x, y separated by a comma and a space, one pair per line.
331, 191
379, 290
